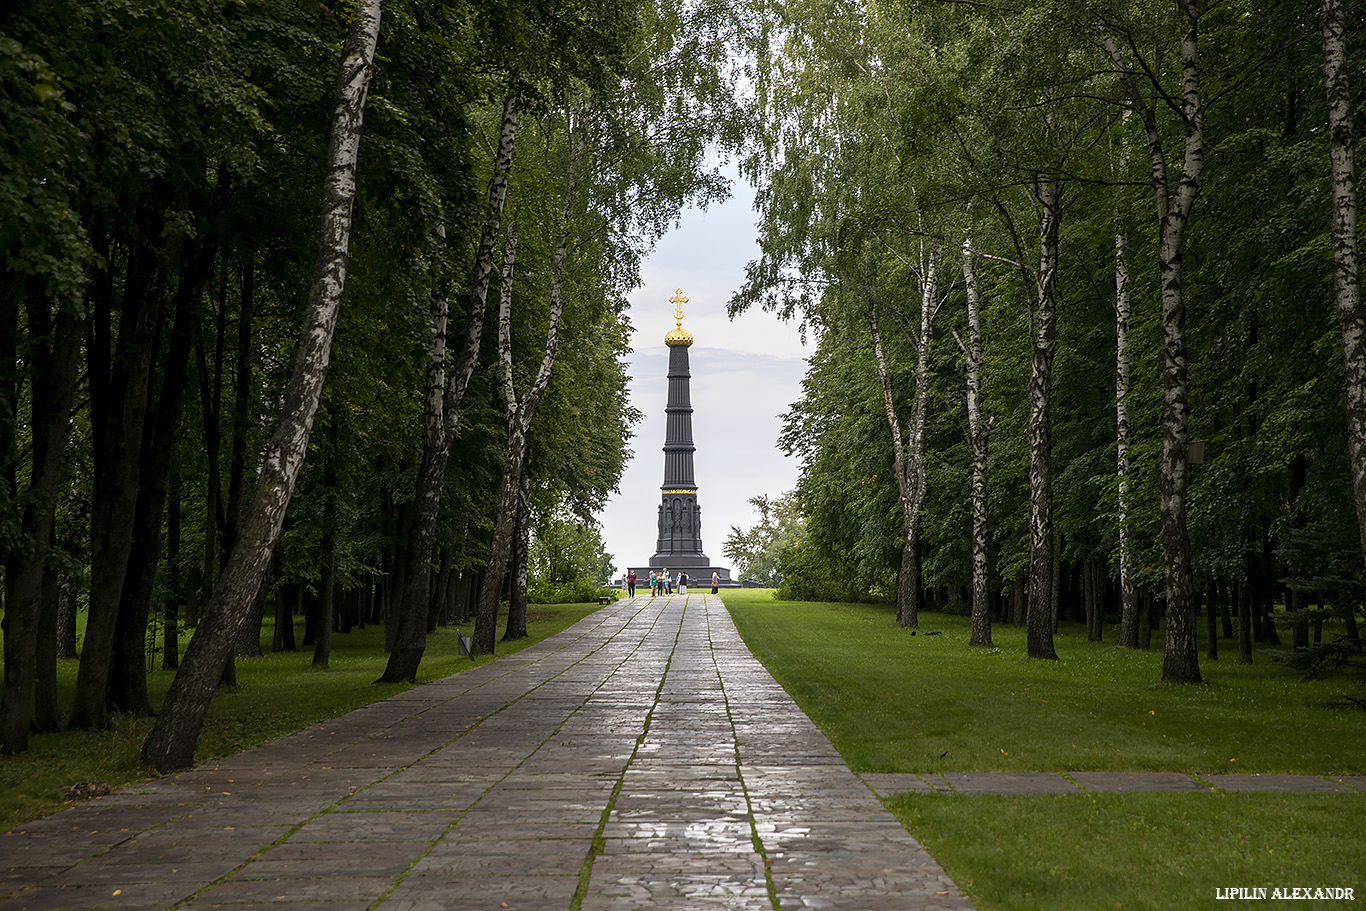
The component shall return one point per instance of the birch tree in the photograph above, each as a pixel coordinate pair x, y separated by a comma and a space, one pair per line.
978, 434
171, 742
1343, 230
1039, 432
908, 448
521, 410
441, 412
1174, 196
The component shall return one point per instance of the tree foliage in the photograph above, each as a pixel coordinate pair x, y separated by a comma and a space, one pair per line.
890, 126
160, 172
758, 552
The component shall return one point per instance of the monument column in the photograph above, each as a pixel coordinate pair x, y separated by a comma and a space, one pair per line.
679, 544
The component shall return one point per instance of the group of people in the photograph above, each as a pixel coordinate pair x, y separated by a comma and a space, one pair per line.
661, 583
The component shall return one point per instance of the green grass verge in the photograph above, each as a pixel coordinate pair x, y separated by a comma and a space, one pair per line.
893, 702
1139, 852
275, 695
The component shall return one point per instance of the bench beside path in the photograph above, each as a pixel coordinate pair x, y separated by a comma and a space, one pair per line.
642, 759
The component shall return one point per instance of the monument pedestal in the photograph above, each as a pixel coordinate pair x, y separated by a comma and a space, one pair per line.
699, 577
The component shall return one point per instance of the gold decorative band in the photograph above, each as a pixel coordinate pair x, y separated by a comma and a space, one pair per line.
690, 490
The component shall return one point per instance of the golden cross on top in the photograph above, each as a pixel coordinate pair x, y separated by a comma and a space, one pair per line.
678, 300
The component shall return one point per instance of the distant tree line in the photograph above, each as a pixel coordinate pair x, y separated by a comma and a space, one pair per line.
317, 308
1089, 339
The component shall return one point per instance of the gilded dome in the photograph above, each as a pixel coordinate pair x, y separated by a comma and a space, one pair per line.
679, 336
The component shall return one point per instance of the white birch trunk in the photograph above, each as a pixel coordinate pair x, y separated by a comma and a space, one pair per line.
1181, 655
1039, 611
171, 743
1346, 278
1180, 659
441, 413
520, 414
977, 440
908, 457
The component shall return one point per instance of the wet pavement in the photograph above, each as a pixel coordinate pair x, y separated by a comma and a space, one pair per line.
642, 759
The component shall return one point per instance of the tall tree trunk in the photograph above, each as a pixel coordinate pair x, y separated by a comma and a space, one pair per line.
12, 290
170, 617
1055, 589
286, 599
978, 431
442, 410
1347, 607
1244, 596
128, 669
241, 402
118, 471
171, 743
47, 713
1346, 277
1095, 600
1225, 617
56, 345
210, 406
249, 634
1180, 659
1017, 598
1128, 584
1212, 622
1296, 600
66, 618
521, 545
908, 452
309, 605
520, 414
1039, 613
322, 644
439, 615
490, 592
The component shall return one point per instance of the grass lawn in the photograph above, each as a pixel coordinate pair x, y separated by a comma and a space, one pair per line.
893, 702
1155, 852
275, 695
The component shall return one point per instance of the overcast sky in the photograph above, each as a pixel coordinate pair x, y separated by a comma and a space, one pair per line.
745, 374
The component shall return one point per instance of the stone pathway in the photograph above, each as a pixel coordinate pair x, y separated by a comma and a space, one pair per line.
642, 759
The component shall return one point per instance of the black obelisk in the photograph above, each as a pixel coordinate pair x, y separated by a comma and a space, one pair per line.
680, 518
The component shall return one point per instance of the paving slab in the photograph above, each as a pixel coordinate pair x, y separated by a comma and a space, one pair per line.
1128, 782
642, 759
1009, 783
888, 783
1285, 784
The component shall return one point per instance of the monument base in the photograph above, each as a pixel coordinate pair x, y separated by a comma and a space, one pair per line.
682, 561
699, 577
